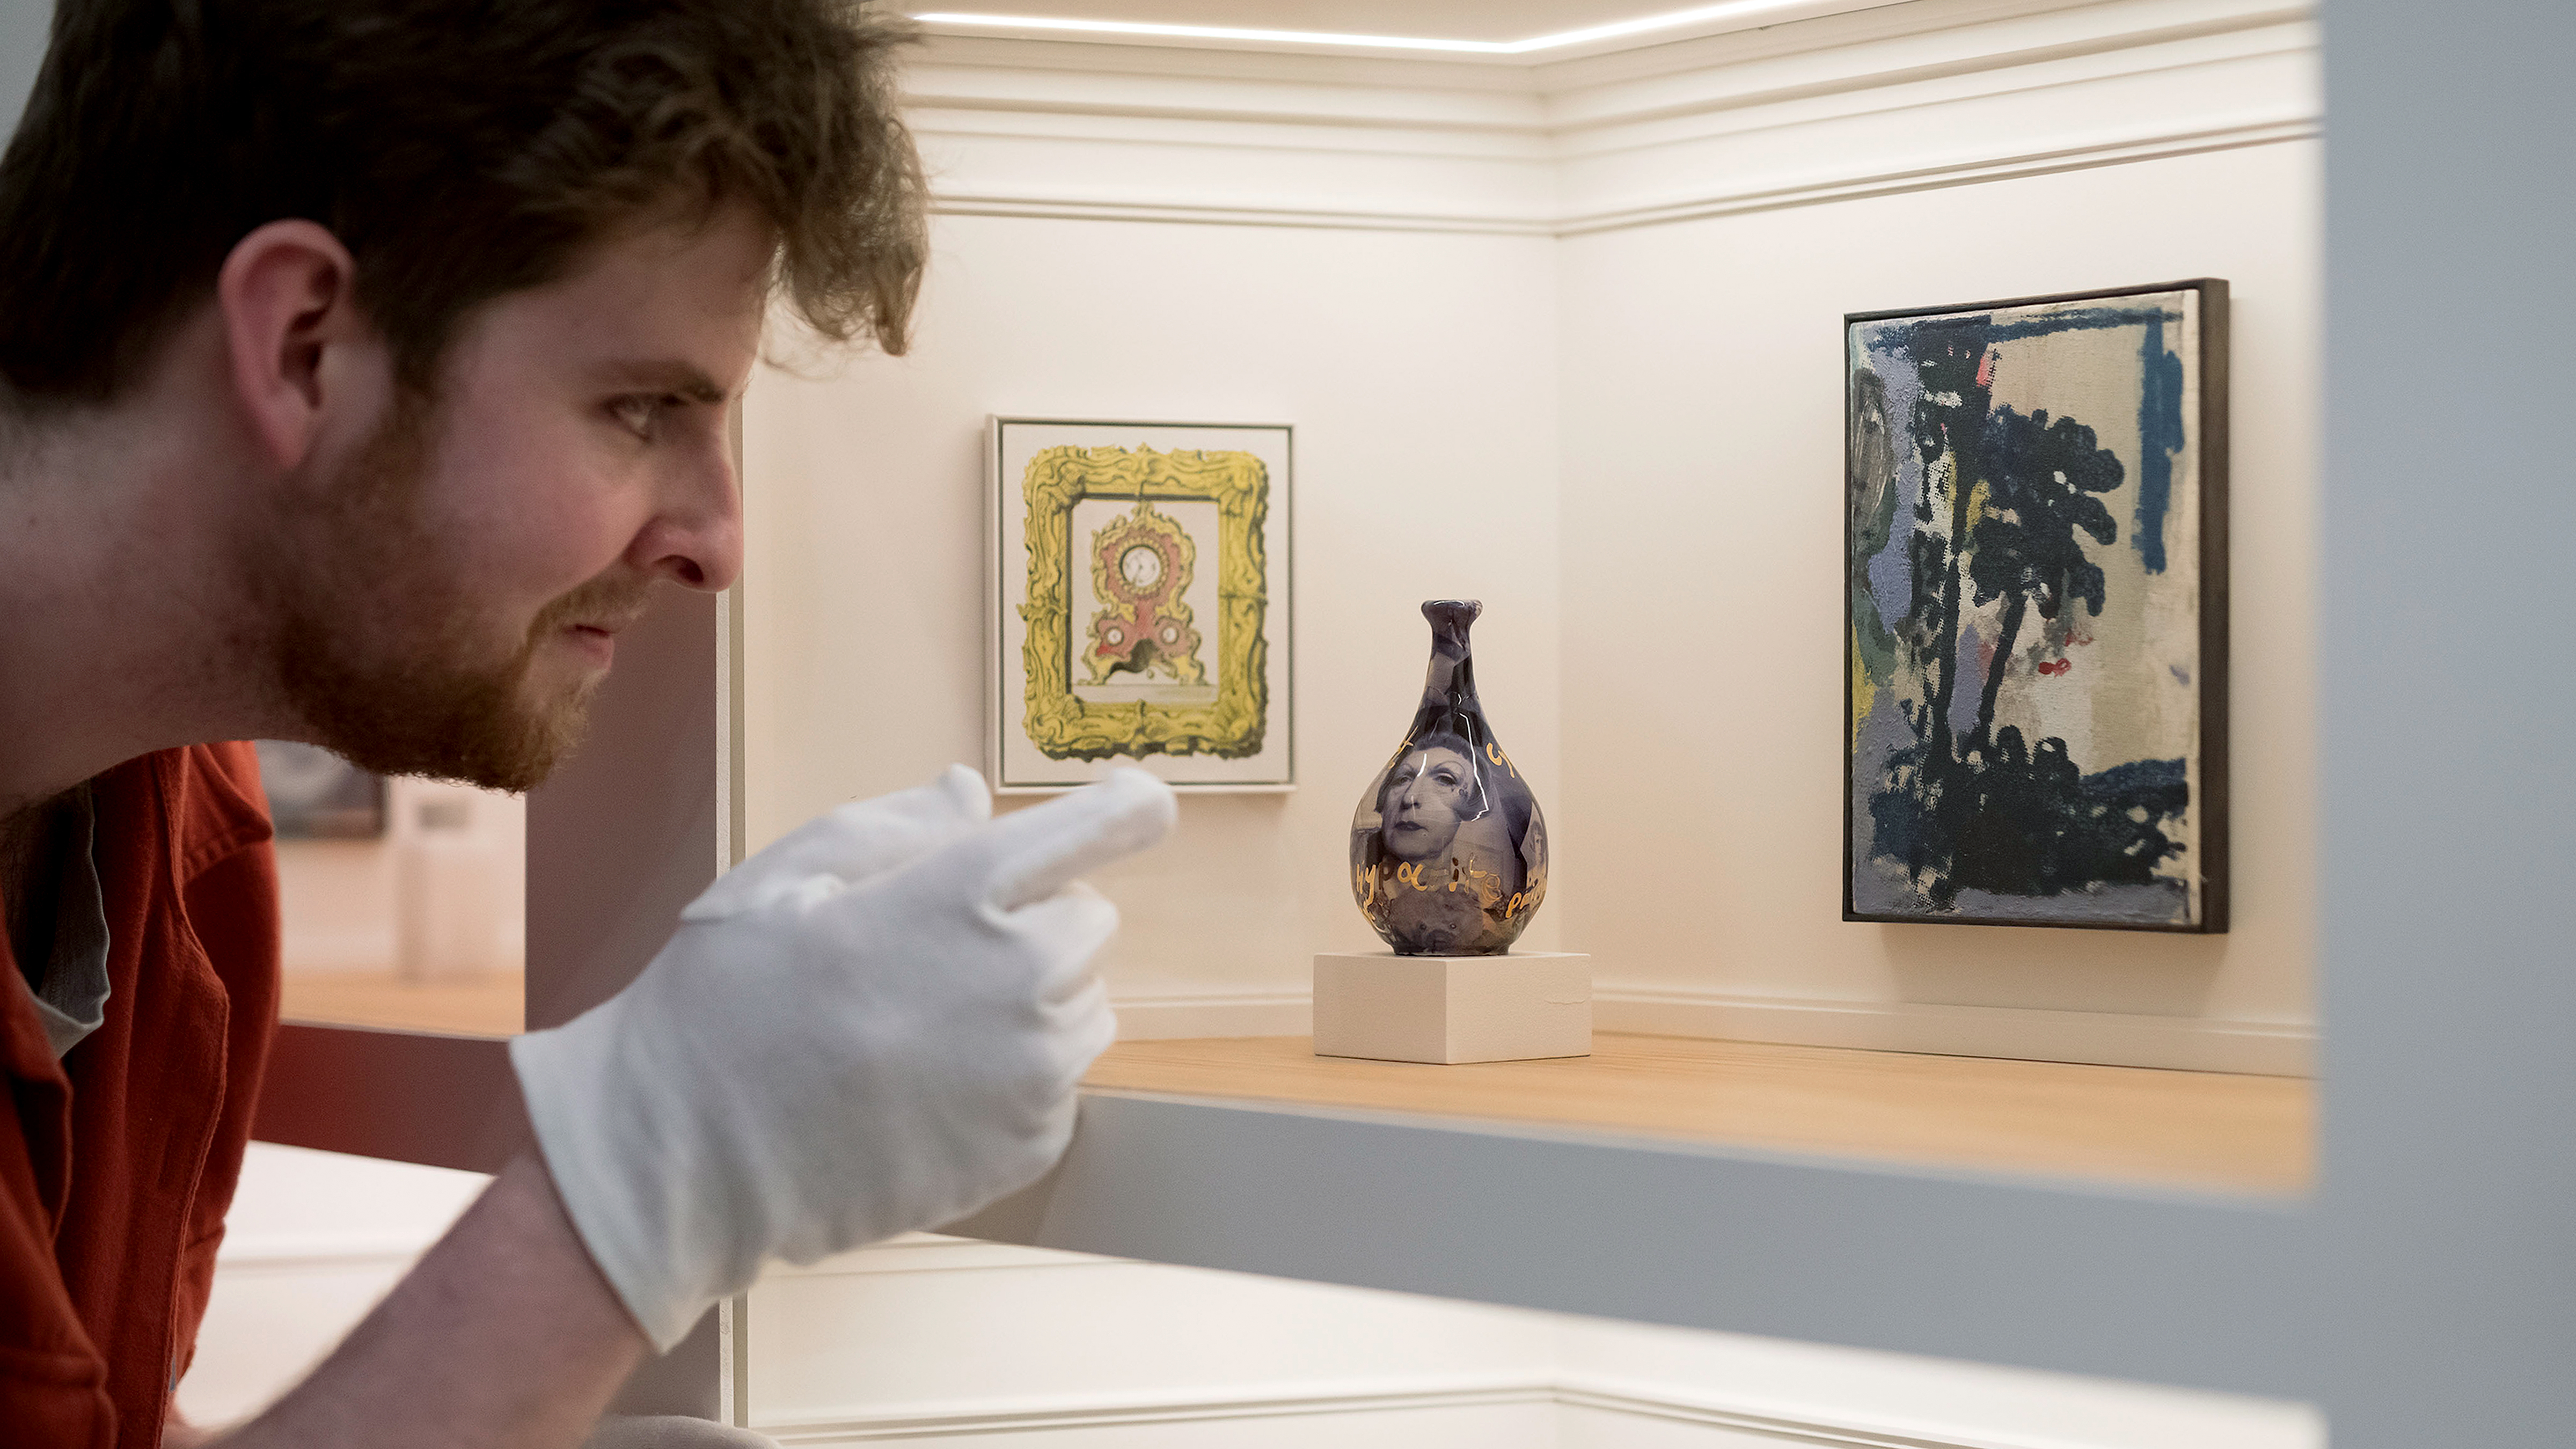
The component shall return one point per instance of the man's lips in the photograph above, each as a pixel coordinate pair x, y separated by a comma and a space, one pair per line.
609, 625
597, 640
591, 625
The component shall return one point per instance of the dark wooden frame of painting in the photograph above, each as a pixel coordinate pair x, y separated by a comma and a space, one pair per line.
2212, 563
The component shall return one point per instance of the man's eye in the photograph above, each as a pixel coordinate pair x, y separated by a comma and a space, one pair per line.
638, 412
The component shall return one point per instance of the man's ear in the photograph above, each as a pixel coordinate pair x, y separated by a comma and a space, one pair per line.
288, 298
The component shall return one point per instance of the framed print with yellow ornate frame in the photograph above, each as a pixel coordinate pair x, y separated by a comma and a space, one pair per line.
1140, 610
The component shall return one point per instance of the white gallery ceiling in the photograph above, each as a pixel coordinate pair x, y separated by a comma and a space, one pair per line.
1459, 19
1483, 25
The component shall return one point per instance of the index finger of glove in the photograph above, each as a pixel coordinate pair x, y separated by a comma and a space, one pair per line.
1032, 854
851, 843
869, 837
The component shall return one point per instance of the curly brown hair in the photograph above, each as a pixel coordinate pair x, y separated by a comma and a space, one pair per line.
461, 150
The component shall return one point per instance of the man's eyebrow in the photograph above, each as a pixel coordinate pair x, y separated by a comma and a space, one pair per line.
663, 375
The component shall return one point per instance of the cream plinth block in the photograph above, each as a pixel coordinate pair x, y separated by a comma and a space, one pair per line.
1449, 1009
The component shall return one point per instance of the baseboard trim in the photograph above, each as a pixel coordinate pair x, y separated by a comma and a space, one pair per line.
945, 1423
1283, 1012
2098, 1037
1630, 1402
1540, 1394
2101, 1038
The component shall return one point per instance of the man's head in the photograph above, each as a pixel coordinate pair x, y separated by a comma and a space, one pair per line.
482, 281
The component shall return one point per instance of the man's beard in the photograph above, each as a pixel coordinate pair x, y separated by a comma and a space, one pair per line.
377, 647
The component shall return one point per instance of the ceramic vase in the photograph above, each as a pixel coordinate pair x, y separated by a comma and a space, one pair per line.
1448, 851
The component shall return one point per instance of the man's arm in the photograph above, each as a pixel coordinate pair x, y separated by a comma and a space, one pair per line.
504, 1337
874, 1025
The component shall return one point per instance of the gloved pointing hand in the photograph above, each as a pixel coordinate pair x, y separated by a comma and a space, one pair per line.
873, 1026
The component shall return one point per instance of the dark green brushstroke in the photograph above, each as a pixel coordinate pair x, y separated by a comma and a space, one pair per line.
1870, 482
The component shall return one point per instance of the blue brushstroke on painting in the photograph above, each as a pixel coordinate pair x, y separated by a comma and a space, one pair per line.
1973, 665
1890, 582
1896, 339
2159, 438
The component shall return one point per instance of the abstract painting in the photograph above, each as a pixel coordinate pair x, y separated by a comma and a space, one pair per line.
1140, 603
2035, 586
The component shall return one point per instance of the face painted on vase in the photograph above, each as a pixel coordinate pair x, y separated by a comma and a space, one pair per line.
1428, 794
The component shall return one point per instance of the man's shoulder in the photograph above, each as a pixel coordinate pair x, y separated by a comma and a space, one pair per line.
202, 804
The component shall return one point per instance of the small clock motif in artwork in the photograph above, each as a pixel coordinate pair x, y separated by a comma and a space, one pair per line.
1140, 567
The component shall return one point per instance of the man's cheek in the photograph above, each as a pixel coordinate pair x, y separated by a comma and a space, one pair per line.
551, 556
578, 540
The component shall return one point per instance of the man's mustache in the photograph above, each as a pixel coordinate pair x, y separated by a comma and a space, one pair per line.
611, 602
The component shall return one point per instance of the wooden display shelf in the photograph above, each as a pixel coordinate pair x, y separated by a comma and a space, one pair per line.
493, 1005
2194, 1130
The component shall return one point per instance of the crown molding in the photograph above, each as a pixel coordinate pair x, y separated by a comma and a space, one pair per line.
1839, 48
1920, 95
1666, 25
1984, 49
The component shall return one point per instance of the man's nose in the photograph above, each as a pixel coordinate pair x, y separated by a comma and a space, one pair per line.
695, 538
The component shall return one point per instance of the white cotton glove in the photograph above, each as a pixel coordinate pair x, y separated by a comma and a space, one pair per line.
875, 1025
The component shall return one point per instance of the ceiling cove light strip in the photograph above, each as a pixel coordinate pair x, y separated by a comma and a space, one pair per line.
1616, 30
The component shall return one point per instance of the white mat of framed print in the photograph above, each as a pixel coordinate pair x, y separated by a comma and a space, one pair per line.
1139, 612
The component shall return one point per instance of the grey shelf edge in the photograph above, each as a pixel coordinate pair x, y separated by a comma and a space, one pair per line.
2202, 1292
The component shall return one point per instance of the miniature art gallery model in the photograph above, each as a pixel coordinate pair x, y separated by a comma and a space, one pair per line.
1448, 863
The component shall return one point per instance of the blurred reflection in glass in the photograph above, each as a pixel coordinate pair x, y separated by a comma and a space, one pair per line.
404, 900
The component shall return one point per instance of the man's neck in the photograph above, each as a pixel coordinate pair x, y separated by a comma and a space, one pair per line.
127, 623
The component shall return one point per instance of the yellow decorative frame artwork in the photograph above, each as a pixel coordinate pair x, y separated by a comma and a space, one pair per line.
1222, 722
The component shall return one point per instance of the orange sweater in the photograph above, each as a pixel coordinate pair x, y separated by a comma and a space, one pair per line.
116, 1164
